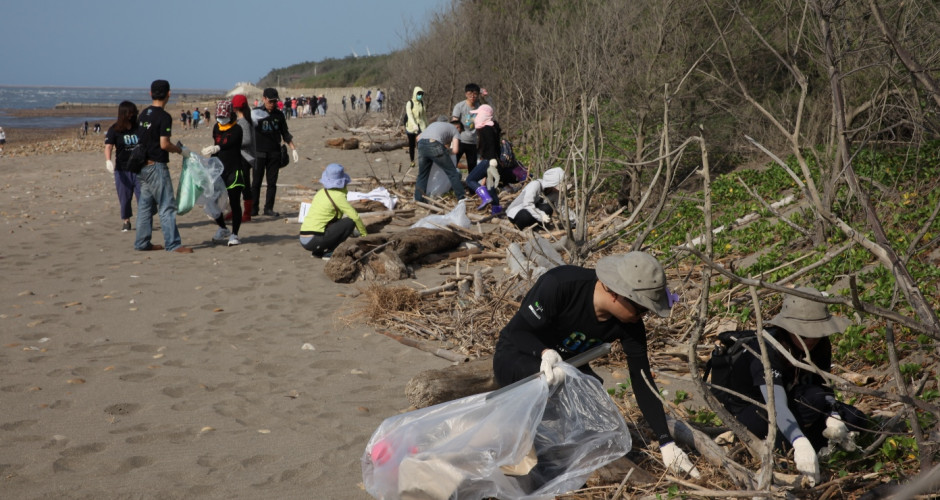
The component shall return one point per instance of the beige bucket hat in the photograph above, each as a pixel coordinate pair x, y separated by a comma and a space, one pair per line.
637, 276
807, 318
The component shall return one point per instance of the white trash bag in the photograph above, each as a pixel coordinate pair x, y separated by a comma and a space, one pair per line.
530, 442
438, 183
457, 216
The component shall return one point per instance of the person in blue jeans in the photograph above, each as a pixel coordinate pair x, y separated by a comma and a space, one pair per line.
435, 146
156, 188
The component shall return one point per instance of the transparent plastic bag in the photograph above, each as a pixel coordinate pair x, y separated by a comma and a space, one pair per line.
201, 184
438, 183
457, 216
530, 442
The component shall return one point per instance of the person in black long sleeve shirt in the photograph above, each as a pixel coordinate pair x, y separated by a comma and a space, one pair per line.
571, 309
270, 128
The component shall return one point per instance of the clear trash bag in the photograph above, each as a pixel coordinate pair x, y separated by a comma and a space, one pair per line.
457, 216
438, 183
531, 442
201, 184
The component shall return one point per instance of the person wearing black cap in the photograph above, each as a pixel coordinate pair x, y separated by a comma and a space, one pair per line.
807, 413
571, 309
156, 188
270, 128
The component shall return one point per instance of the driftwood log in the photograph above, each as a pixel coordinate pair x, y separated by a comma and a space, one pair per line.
391, 145
431, 387
343, 143
387, 254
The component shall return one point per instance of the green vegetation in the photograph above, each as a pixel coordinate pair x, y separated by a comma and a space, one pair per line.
350, 71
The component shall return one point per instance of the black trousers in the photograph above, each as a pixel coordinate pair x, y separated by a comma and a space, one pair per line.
470, 151
336, 232
266, 168
809, 406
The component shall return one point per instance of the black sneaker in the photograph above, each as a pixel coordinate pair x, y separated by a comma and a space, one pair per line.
127, 226
272, 213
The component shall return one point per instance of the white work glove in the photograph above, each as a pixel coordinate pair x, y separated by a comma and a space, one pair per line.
108, 164
550, 360
185, 152
210, 150
677, 461
492, 175
837, 433
295, 155
805, 457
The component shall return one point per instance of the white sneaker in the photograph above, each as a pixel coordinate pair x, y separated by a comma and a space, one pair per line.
233, 240
221, 235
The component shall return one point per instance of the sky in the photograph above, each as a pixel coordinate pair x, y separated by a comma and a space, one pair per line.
195, 44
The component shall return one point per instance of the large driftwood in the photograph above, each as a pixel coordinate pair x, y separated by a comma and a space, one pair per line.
343, 143
431, 387
391, 145
398, 250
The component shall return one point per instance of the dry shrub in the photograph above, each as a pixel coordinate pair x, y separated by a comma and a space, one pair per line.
381, 300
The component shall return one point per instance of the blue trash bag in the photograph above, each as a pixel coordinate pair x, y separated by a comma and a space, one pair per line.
531, 442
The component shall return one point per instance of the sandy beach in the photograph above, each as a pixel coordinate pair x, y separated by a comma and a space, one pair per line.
130, 374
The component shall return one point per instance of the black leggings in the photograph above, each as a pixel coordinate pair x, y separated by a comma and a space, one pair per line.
412, 140
234, 197
336, 232
524, 218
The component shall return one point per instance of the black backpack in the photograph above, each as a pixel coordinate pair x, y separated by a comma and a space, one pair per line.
404, 115
729, 348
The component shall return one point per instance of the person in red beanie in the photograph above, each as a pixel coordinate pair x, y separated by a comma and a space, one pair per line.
249, 151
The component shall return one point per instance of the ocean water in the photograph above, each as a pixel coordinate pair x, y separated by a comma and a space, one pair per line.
14, 97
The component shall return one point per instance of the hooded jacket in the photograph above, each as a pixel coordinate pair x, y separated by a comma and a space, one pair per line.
417, 117
533, 191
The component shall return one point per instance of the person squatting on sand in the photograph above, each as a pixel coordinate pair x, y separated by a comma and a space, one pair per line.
807, 413
571, 309
227, 147
156, 187
270, 128
120, 138
534, 205
324, 226
435, 146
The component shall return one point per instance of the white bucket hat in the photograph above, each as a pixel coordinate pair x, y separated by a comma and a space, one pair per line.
553, 177
637, 276
808, 318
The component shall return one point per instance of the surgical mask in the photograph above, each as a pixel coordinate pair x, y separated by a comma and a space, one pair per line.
224, 120
419, 97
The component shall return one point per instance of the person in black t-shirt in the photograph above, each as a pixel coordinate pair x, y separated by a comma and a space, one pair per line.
122, 136
155, 127
571, 309
227, 147
270, 128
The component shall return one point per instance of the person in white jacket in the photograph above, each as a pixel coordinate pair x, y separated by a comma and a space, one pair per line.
532, 206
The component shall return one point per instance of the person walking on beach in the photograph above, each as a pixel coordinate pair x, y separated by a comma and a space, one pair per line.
122, 136
352, 101
249, 149
3, 139
227, 147
270, 128
155, 127
195, 118
368, 100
